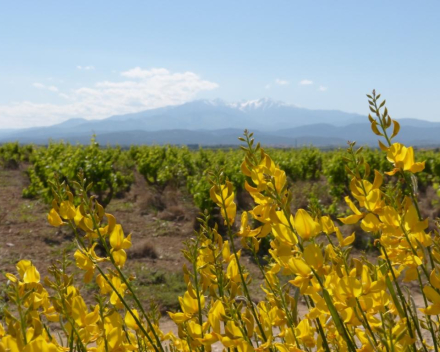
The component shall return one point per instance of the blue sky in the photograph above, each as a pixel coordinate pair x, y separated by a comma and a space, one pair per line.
92, 59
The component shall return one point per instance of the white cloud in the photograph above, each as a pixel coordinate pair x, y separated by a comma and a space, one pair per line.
267, 86
87, 68
139, 90
281, 82
43, 86
322, 88
306, 82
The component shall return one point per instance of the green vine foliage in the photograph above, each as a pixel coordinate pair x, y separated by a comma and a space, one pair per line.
108, 169
111, 168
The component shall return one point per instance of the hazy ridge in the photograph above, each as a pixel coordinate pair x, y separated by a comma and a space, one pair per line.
214, 122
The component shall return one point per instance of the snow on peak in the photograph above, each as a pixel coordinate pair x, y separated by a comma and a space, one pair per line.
259, 104
245, 105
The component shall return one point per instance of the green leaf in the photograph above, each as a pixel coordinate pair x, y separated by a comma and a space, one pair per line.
394, 297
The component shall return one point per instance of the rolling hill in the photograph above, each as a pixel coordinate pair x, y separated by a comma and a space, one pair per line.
215, 122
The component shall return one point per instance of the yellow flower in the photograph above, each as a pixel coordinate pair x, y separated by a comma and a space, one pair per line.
83, 261
189, 302
130, 321
370, 223
313, 256
103, 285
179, 318
305, 333
434, 297
86, 321
348, 289
246, 231
117, 239
54, 218
119, 243
233, 335
67, 210
215, 315
119, 288
232, 272
304, 273
223, 196
403, 159
28, 272
344, 242
305, 226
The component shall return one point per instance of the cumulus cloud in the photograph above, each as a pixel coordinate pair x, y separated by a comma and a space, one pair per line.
281, 82
138, 90
322, 88
45, 87
86, 68
306, 82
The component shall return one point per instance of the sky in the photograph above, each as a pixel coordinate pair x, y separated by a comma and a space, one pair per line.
94, 59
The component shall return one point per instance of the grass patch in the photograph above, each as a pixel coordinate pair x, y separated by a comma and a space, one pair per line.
67, 247
119, 206
25, 213
159, 286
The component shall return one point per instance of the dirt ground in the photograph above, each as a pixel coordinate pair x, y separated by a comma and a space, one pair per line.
159, 221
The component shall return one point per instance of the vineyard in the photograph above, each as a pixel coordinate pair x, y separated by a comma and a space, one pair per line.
279, 249
111, 170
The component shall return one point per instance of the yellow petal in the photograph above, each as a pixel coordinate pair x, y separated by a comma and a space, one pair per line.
313, 256
305, 226
348, 240
22, 265
284, 234
299, 267
31, 275
120, 257
179, 318
244, 169
67, 210
370, 223
353, 207
130, 321
54, 218
351, 219
92, 317
417, 167
431, 310
434, 278
432, 294
117, 237
408, 161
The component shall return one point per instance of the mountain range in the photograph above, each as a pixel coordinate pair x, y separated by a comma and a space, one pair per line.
215, 123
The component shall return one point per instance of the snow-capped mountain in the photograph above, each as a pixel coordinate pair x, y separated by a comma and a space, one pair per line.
265, 114
260, 104
211, 122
